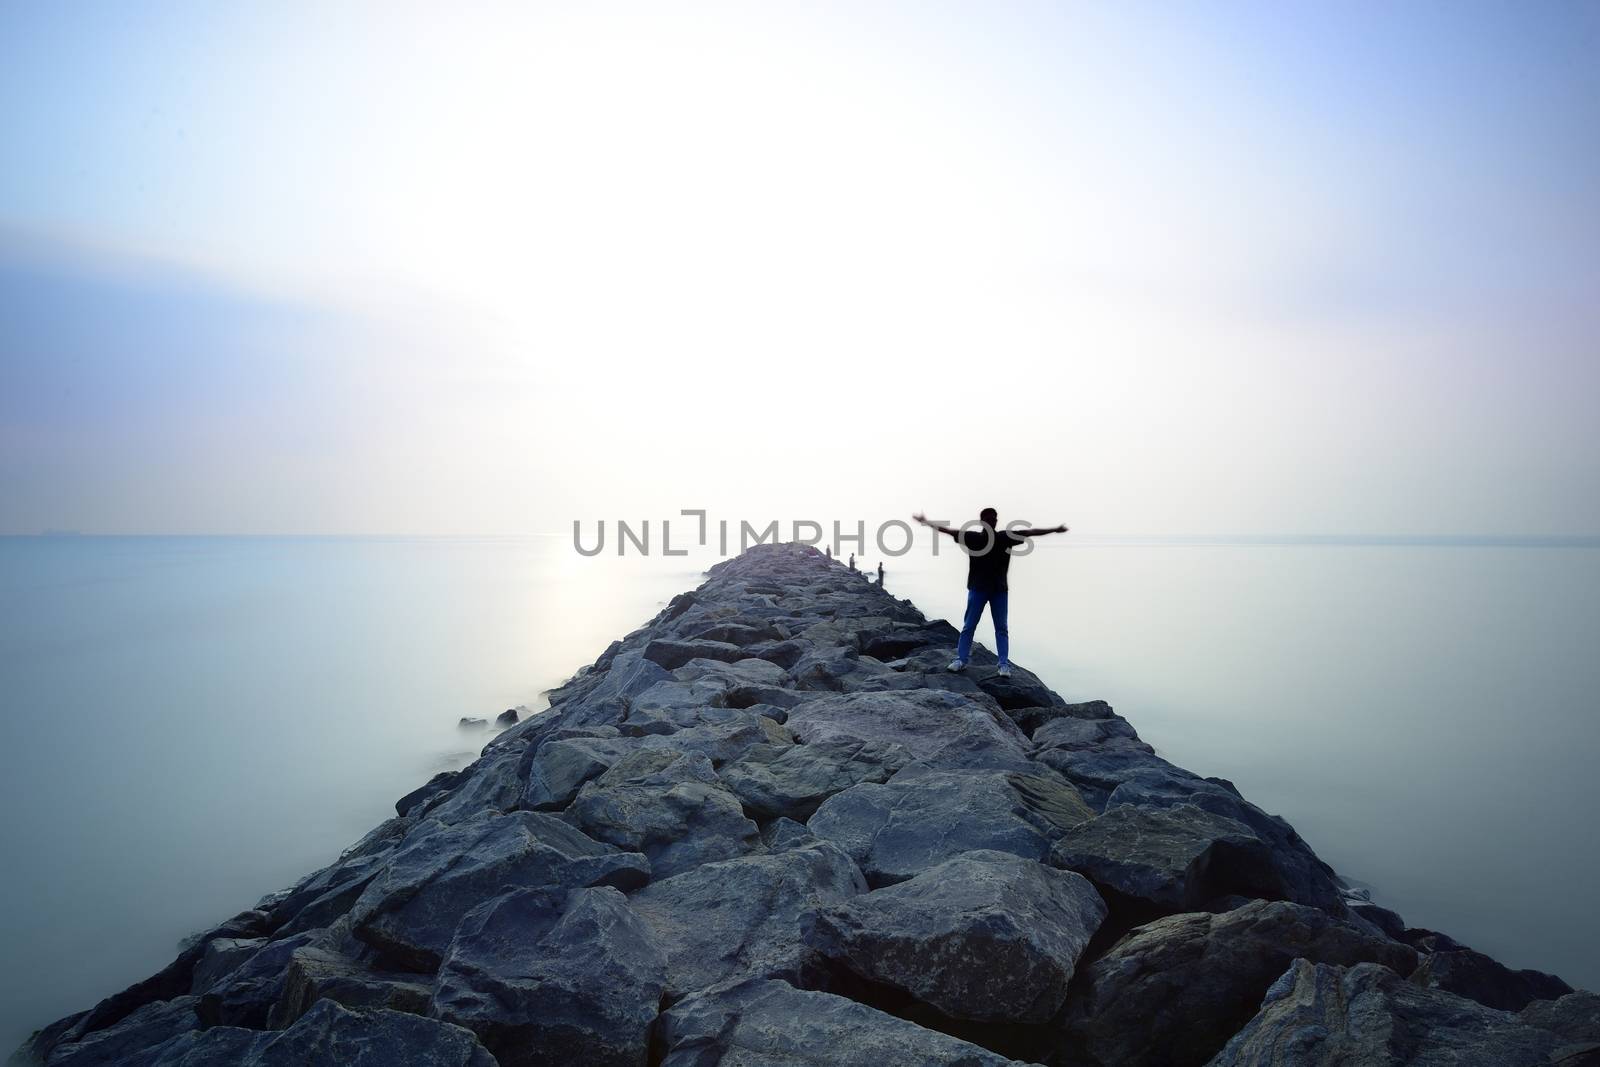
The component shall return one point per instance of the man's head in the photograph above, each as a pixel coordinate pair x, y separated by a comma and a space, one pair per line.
990, 516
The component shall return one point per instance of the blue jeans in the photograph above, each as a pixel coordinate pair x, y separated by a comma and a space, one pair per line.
976, 599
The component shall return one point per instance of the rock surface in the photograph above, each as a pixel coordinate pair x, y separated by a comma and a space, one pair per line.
769, 828
987, 936
1320, 1015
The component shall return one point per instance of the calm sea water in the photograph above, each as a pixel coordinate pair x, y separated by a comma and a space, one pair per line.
188, 724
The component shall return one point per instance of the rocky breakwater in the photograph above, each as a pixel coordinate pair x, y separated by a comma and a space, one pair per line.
768, 828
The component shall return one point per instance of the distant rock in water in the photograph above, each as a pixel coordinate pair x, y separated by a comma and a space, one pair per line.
768, 828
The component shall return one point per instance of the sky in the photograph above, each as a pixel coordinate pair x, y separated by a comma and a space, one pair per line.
1149, 268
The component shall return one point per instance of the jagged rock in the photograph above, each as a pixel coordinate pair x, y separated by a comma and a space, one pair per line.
222, 955
1029, 719
409, 912
781, 834
508, 717
740, 918
668, 805
767, 1023
832, 669
315, 974
491, 783
171, 981
987, 936
560, 768
792, 780
784, 654
1575, 1016
1382, 918
1098, 771
1022, 690
922, 817
1320, 1015
735, 633
246, 996
551, 977
669, 653
721, 741
439, 783
1070, 733
328, 1035
1306, 879
1471, 974
150, 1026
1173, 858
939, 728
1173, 991
317, 901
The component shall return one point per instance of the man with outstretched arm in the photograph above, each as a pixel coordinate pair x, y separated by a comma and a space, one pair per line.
988, 557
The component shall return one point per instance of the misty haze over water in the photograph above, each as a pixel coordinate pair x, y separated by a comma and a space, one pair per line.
190, 723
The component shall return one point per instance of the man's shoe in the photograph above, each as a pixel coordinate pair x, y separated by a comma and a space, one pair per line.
957, 665
1004, 671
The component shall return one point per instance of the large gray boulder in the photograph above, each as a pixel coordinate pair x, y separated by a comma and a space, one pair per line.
1575, 1016
668, 805
562, 765
126, 1041
1174, 859
1470, 973
986, 936
740, 918
1070, 733
939, 728
922, 817
316, 973
1321, 1015
328, 1035
1173, 991
766, 1023
547, 976
669, 653
1306, 879
792, 780
1029, 719
409, 912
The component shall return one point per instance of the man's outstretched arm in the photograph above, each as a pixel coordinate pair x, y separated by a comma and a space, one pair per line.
1035, 533
920, 517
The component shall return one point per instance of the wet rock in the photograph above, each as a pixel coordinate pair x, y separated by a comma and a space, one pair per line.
766, 1023
938, 728
471, 723
150, 1026
669, 653
1022, 690
1320, 1015
329, 1035
561, 767
1173, 991
247, 994
1070, 733
740, 918
491, 783
922, 817
1306, 879
315, 974
409, 912
222, 955
552, 977
1173, 858
986, 936
508, 717
668, 805
1029, 719
1575, 1016
792, 780
1486, 980
439, 783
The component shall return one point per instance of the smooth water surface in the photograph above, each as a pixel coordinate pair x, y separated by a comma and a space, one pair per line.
188, 724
